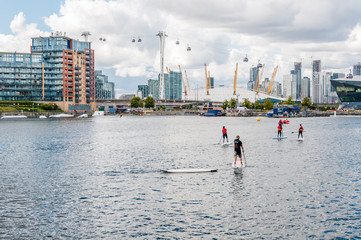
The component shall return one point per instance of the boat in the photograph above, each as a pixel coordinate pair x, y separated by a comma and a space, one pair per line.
13, 117
213, 112
62, 115
42, 116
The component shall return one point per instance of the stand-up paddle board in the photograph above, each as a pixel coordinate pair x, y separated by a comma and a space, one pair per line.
226, 144
237, 168
299, 139
190, 170
279, 137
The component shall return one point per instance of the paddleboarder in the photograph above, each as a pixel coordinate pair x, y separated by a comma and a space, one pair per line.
237, 150
279, 134
300, 131
224, 132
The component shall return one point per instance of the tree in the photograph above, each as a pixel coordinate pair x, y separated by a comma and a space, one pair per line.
149, 102
246, 104
258, 105
233, 103
136, 102
289, 101
268, 104
225, 105
306, 102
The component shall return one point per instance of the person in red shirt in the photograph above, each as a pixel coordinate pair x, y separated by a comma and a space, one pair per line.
279, 134
300, 130
224, 132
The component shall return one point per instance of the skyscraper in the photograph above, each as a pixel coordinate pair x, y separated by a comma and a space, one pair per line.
144, 89
153, 88
357, 69
298, 73
289, 86
173, 85
305, 87
314, 89
252, 78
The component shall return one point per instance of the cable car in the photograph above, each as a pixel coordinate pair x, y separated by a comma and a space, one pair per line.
245, 59
189, 48
177, 42
139, 40
133, 40
101, 39
104, 39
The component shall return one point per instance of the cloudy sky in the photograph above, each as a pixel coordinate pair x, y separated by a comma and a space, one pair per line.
220, 33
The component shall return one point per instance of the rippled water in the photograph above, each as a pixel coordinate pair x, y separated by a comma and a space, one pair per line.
101, 178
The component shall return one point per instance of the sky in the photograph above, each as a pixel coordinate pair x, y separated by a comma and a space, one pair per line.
220, 34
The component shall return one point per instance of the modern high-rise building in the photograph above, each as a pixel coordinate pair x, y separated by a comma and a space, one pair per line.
58, 69
252, 78
153, 88
298, 72
305, 87
103, 88
357, 69
173, 85
68, 71
144, 89
212, 82
314, 88
289, 86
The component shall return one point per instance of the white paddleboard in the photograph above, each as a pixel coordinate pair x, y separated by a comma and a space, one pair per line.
299, 139
190, 170
237, 168
279, 137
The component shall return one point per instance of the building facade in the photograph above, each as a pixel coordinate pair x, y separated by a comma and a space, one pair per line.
289, 86
357, 69
305, 87
298, 73
253, 72
348, 91
69, 74
144, 90
103, 88
314, 88
153, 86
173, 85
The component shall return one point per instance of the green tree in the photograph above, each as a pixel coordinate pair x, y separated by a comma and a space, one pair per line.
225, 105
268, 104
258, 105
233, 103
247, 104
289, 101
306, 102
136, 102
149, 102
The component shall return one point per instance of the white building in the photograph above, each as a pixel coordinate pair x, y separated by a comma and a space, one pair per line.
289, 86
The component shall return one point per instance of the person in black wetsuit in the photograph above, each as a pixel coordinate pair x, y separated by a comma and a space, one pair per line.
237, 150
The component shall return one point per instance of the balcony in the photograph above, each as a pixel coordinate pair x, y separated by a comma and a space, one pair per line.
77, 78
77, 73
77, 67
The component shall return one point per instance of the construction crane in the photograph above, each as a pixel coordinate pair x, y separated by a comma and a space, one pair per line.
205, 71
184, 86
259, 82
167, 70
235, 80
185, 73
272, 80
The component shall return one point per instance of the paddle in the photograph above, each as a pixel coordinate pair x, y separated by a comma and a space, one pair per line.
244, 158
220, 139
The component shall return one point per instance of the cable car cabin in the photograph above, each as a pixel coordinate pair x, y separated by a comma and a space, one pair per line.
245, 59
189, 48
213, 112
177, 42
139, 40
259, 65
133, 40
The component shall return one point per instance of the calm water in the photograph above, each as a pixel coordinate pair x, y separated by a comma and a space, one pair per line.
101, 178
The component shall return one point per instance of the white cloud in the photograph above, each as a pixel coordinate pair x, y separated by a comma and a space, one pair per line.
220, 34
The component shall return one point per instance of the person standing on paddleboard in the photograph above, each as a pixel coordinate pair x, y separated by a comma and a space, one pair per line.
300, 130
279, 134
237, 150
224, 132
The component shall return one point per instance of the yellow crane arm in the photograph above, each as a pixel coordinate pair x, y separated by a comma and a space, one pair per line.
184, 86
205, 70
189, 88
259, 82
167, 70
235, 80
272, 80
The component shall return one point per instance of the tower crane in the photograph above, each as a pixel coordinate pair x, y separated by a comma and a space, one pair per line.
185, 73
259, 82
205, 71
272, 80
235, 80
184, 86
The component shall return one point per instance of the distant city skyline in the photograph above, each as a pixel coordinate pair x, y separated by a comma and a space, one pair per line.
301, 32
